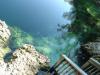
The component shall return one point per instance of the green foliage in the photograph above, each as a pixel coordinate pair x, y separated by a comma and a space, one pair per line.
87, 20
19, 37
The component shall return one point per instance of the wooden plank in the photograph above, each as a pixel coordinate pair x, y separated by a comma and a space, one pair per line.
60, 66
89, 68
70, 72
73, 72
64, 67
92, 70
95, 63
65, 70
58, 62
85, 65
94, 73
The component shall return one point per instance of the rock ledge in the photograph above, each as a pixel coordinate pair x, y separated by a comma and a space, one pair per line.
25, 60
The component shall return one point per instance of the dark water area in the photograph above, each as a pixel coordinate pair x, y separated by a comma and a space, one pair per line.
38, 18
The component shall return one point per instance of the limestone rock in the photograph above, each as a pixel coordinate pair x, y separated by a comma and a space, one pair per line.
4, 33
4, 38
24, 61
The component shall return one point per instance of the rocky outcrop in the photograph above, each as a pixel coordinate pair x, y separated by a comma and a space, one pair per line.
24, 61
4, 37
4, 33
93, 48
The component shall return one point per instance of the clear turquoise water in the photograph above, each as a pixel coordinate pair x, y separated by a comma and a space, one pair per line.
39, 19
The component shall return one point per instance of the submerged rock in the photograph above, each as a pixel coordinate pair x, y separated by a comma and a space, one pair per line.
24, 61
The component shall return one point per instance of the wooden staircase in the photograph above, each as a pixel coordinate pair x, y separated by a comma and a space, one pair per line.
92, 66
65, 66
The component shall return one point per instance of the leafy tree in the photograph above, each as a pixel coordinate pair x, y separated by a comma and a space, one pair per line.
86, 24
